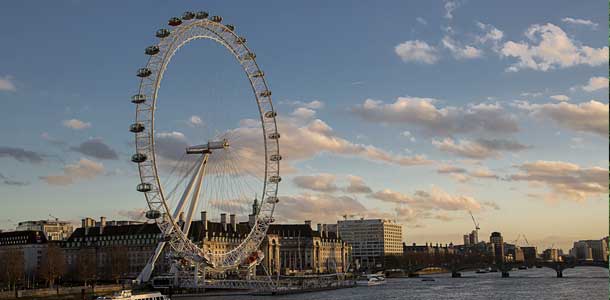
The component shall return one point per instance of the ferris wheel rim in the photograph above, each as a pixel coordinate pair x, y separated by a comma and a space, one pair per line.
146, 142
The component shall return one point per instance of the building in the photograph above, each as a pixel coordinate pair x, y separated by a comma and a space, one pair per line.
428, 248
590, 250
22, 253
529, 255
54, 230
513, 253
371, 240
307, 251
287, 248
497, 243
551, 255
100, 251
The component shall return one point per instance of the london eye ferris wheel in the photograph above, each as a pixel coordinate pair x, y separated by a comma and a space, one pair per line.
223, 168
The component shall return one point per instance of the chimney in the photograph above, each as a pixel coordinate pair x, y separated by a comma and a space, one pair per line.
308, 222
251, 220
102, 224
325, 229
204, 220
223, 221
233, 224
320, 229
88, 223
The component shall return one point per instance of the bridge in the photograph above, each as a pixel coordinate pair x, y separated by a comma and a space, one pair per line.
413, 270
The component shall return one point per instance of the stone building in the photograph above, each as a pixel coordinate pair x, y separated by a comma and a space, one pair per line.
26, 248
96, 247
55, 230
307, 251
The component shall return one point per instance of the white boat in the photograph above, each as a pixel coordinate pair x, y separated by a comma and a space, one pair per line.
371, 279
127, 295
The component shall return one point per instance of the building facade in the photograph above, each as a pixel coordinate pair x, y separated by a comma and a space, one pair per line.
590, 250
429, 249
22, 253
371, 240
54, 230
497, 243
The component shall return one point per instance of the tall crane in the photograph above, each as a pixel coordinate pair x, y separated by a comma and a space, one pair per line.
476, 225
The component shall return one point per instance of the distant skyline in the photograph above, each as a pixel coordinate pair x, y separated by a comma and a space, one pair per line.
416, 111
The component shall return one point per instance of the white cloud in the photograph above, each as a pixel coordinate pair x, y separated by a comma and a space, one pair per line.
589, 116
423, 113
304, 113
320, 182
300, 140
320, 208
408, 135
583, 22
459, 51
195, 121
565, 180
76, 124
7, 84
492, 35
479, 149
83, 169
435, 199
549, 47
596, 83
357, 185
421, 20
450, 6
417, 51
314, 104
560, 97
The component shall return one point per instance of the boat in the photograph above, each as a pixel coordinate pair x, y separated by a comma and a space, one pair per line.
428, 279
522, 267
371, 279
482, 271
128, 295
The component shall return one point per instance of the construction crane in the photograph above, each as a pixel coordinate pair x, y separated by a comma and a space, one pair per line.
476, 225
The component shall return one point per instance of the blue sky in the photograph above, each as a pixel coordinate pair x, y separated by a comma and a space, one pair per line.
498, 107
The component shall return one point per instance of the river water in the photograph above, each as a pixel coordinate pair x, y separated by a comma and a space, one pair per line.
579, 283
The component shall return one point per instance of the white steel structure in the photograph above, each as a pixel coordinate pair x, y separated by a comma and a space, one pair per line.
174, 222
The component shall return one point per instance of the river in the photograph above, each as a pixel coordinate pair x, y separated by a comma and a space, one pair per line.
580, 283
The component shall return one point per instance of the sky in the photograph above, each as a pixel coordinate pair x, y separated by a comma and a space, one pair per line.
416, 111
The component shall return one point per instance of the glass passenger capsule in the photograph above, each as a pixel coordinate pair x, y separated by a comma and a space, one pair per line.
144, 187
188, 15
274, 135
273, 200
201, 15
136, 127
162, 33
216, 19
138, 98
257, 74
230, 27
174, 21
139, 157
266, 93
249, 56
152, 50
240, 40
275, 157
270, 114
144, 72
153, 214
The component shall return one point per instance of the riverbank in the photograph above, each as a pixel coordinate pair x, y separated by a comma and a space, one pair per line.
63, 293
